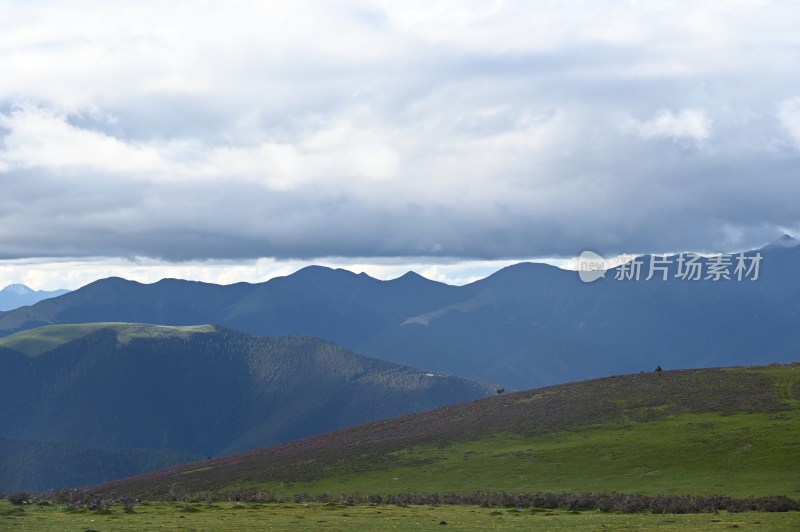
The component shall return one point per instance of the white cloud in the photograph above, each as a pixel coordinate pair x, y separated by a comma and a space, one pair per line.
480, 130
789, 116
43, 139
692, 124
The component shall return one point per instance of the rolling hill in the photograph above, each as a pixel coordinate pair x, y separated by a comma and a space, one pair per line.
730, 431
524, 326
134, 394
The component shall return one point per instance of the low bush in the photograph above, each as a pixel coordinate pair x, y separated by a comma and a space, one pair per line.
18, 498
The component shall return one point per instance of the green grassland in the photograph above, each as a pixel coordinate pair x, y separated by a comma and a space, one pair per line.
732, 432
676, 436
43, 339
739, 455
242, 517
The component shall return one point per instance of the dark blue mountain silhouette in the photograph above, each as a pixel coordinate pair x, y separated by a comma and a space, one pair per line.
526, 325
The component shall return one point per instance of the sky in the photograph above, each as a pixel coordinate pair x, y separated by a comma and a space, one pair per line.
236, 141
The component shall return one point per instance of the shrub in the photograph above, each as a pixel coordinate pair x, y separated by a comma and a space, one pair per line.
19, 497
128, 504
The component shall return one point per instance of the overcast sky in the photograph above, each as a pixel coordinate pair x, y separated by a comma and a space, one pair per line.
232, 140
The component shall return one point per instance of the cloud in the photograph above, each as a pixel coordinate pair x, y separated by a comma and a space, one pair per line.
692, 124
44, 140
429, 131
789, 116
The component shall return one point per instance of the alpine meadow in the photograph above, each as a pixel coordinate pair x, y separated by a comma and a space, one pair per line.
380, 264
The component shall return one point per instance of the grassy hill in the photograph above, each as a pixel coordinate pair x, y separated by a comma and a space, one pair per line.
731, 431
189, 391
43, 339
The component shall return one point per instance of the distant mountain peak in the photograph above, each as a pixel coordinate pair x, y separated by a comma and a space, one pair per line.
17, 288
785, 241
18, 295
411, 276
316, 270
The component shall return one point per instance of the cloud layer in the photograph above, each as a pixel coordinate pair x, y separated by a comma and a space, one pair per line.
471, 129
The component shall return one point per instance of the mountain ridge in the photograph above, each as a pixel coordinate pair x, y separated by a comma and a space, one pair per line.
524, 326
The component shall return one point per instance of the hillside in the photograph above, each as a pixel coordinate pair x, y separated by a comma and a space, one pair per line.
191, 391
729, 431
34, 466
527, 325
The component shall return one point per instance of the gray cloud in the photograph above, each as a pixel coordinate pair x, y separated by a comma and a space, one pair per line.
476, 130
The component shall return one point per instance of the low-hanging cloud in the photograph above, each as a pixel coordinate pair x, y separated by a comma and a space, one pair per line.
480, 130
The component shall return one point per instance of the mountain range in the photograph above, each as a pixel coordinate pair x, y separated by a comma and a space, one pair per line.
18, 295
524, 326
87, 403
